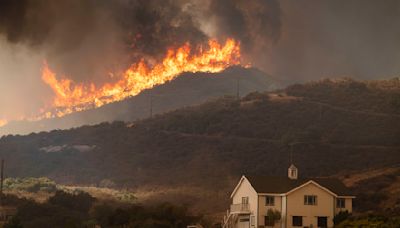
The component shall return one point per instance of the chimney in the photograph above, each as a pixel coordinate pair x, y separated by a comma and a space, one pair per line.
292, 172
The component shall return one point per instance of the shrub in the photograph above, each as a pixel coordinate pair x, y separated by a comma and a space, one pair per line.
340, 217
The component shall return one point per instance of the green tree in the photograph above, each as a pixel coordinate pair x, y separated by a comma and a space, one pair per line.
273, 216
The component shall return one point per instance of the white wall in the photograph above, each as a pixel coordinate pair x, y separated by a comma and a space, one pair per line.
246, 190
325, 206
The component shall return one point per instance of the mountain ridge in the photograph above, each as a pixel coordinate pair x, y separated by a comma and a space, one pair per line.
211, 145
188, 89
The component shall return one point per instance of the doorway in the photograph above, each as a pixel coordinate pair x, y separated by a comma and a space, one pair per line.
322, 222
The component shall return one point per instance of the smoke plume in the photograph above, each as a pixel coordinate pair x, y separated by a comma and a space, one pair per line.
84, 39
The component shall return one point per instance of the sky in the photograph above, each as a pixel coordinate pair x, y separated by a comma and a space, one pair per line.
295, 41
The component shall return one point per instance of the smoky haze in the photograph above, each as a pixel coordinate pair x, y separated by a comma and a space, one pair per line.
292, 40
355, 38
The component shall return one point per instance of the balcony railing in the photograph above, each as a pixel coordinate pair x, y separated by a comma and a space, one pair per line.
240, 208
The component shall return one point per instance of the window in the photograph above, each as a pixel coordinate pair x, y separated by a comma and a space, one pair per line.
252, 220
297, 221
310, 200
245, 200
340, 203
269, 201
269, 221
322, 222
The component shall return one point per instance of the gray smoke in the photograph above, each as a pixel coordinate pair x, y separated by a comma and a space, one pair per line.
86, 39
354, 38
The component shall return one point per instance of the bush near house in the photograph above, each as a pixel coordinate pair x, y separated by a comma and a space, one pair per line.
272, 216
340, 217
371, 221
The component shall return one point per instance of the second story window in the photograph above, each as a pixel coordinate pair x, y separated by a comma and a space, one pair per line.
269, 200
340, 203
245, 200
310, 200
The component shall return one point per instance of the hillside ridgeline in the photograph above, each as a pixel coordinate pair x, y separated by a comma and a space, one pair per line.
331, 126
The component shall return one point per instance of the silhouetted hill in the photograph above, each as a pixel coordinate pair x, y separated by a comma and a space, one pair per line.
331, 126
188, 89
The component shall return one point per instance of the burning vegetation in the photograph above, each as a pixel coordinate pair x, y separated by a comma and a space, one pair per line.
71, 97
140, 44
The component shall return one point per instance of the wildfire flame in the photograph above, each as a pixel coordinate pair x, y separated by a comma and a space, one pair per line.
3, 122
72, 97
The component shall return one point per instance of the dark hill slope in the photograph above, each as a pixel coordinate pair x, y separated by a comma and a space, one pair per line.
188, 89
214, 143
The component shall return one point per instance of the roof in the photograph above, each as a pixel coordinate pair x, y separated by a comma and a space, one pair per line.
279, 185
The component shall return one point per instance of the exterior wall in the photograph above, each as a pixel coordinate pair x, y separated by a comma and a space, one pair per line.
325, 206
348, 206
289, 205
246, 190
262, 209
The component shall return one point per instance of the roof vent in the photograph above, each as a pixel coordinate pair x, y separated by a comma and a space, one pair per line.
292, 172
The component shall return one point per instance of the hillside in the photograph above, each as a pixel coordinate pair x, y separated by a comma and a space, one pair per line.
332, 127
188, 89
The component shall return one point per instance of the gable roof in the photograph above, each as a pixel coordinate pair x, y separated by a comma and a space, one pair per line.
280, 185
239, 184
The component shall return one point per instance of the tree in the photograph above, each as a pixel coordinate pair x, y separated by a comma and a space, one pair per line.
340, 217
272, 217
81, 201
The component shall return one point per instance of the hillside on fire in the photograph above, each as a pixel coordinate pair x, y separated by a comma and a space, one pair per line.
332, 127
188, 89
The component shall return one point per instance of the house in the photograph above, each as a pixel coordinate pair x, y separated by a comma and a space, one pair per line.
286, 202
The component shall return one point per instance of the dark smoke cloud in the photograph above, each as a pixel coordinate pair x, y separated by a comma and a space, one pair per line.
256, 23
85, 39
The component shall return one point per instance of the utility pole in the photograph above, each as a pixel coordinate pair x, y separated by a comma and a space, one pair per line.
237, 88
320, 112
151, 104
1, 182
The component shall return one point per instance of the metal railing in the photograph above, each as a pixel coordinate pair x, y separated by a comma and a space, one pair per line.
235, 210
240, 208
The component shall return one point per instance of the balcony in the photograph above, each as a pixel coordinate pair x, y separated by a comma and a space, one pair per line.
240, 208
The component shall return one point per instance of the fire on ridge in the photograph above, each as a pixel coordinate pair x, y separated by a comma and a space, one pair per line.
72, 97
3, 122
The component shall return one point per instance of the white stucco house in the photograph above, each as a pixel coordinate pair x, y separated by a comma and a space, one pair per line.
286, 202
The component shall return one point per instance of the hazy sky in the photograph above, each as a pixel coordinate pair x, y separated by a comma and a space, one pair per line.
357, 38
292, 40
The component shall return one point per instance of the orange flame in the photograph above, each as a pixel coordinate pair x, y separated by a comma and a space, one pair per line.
71, 97
3, 122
